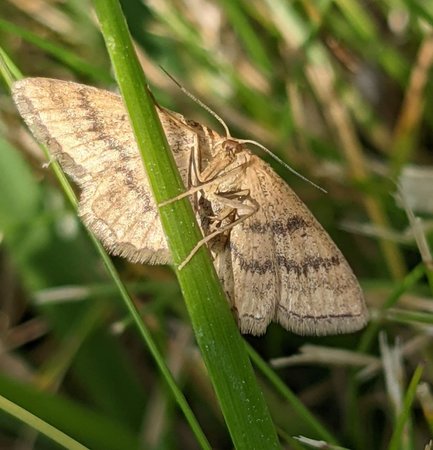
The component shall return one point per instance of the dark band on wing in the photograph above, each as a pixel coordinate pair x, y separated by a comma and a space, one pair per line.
308, 264
99, 128
31, 114
278, 227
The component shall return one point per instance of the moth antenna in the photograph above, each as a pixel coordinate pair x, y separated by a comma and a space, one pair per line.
279, 160
199, 102
242, 141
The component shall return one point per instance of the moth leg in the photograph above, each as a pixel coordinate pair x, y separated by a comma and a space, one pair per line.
194, 163
215, 179
198, 178
194, 179
235, 202
194, 166
228, 213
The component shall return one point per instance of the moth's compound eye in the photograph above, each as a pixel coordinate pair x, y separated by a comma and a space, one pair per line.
232, 147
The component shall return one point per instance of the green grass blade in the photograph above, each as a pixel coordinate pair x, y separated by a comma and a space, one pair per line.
39, 425
70, 417
223, 350
68, 58
303, 413
405, 316
250, 38
402, 419
374, 326
8, 70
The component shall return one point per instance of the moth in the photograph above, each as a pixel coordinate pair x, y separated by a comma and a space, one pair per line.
275, 261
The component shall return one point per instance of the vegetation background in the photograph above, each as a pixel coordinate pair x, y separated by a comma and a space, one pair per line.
341, 90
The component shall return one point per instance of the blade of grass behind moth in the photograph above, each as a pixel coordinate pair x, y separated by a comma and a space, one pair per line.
8, 70
222, 348
144, 332
11, 73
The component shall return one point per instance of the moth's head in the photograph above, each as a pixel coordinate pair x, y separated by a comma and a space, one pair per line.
232, 147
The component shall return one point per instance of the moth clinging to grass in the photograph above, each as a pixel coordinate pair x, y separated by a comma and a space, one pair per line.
275, 261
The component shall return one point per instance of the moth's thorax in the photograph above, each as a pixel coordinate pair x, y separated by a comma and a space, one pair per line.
231, 151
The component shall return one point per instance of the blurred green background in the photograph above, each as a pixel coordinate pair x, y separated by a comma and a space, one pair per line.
338, 89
